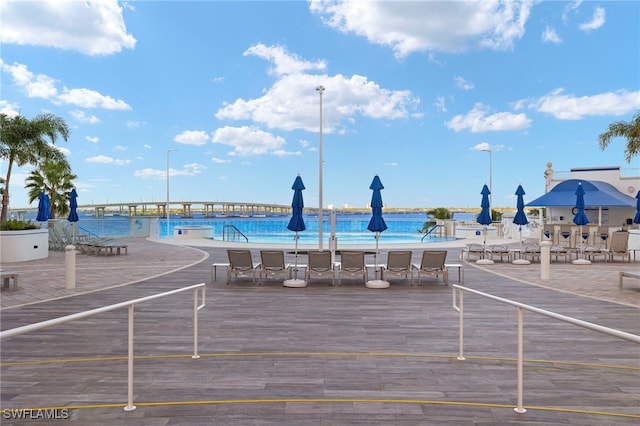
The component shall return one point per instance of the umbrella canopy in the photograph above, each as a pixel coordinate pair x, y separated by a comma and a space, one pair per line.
484, 218
44, 209
73, 206
376, 224
296, 223
636, 218
580, 218
520, 217
597, 194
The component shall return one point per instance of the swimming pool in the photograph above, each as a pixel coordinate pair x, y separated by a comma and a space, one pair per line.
350, 229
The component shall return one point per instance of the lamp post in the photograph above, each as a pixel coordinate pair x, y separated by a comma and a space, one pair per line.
320, 90
168, 213
490, 186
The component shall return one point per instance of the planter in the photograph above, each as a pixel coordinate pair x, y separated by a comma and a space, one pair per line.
21, 246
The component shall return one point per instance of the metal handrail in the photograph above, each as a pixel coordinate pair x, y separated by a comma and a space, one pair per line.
236, 231
128, 304
521, 307
429, 231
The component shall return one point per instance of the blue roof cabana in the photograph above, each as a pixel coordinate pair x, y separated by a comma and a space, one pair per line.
597, 194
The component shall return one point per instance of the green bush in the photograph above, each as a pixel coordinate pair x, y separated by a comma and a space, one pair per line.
18, 225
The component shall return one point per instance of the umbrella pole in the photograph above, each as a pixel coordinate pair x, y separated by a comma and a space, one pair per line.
296, 261
484, 260
582, 260
376, 268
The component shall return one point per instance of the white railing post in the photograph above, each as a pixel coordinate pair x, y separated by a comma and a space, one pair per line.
461, 332
520, 409
195, 324
130, 406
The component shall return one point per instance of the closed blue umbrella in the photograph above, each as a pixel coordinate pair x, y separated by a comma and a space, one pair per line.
73, 206
44, 208
484, 218
580, 217
520, 219
296, 223
376, 224
636, 218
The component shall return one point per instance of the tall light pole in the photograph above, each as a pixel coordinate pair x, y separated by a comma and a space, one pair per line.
488, 149
320, 90
168, 213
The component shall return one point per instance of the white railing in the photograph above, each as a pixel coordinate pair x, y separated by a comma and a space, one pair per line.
458, 305
129, 304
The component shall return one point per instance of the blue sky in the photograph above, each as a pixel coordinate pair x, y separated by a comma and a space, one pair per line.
414, 92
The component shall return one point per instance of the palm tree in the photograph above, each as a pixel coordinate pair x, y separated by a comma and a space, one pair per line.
56, 180
24, 141
629, 130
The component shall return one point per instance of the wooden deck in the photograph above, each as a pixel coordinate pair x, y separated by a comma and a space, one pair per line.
325, 355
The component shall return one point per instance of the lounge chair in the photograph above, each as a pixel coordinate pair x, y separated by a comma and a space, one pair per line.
432, 264
565, 237
598, 245
499, 251
548, 234
619, 246
352, 265
473, 249
531, 251
240, 264
319, 265
272, 264
398, 264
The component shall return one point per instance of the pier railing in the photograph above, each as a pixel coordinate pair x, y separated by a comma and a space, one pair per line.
128, 304
458, 305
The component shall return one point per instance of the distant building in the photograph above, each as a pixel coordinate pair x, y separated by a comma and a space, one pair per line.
610, 198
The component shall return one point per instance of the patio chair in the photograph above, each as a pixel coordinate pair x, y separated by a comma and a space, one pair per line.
499, 251
598, 244
548, 234
319, 265
432, 264
240, 264
473, 249
352, 265
565, 237
531, 251
619, 246
398, 264
272, 264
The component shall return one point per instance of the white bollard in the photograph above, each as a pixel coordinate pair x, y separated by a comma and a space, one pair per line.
545, 259
70, 266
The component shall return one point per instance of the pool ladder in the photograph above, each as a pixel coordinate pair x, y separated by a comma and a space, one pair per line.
231, 233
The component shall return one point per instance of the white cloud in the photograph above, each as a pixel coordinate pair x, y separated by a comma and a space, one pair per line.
248, 140
42, 86
93, 27
440, 103
191, 169
482, 146
103, 159
292, 103
462, 83
597, 20
283, 61
134, 124
549, 35
192, 137
147, 146
571, 107
571, 7
8, 108
478, 120
92, 139
88, 98
119, 148
83, 117
219, 160
418, 26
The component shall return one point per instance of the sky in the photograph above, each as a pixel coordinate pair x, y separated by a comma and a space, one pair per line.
436, 98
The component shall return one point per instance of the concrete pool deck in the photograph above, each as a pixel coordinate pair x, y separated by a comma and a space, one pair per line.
321, 354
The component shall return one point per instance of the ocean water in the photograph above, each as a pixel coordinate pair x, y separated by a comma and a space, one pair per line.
350, 228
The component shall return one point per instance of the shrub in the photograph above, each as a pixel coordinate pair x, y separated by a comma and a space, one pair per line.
18, 225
